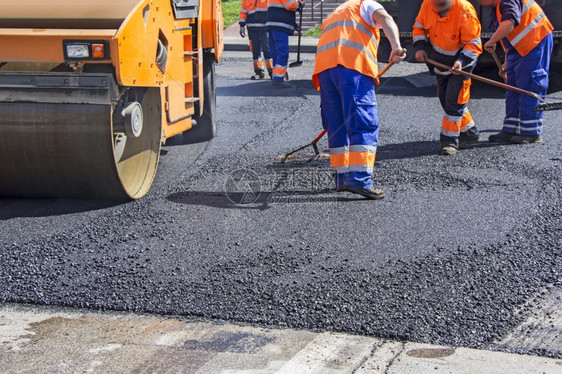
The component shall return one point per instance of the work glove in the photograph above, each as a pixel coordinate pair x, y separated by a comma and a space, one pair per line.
242, 31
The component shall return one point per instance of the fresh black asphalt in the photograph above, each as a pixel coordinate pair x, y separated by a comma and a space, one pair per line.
450, 256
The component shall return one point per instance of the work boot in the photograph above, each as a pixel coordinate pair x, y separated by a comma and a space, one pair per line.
526, 139
466, 139
281, 84
448, 150
370, 193
502, 137
260, 74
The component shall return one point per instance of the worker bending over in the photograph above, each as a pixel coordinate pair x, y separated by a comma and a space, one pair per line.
526, 34
281, 22
453, 29
253, 14
344, 72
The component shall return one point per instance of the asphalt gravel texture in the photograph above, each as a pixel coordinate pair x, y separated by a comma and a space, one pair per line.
451, 256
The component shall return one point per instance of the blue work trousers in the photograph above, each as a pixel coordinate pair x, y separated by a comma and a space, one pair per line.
349, 114
279, 51
531, 74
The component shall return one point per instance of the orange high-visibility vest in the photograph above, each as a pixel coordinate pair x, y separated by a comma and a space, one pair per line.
459, 29
347, 40
532, 29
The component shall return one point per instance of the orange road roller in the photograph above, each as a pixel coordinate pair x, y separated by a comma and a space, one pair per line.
91, 89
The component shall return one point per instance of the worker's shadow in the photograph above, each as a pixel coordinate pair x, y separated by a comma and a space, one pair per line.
407, 150
264, 87
258, 200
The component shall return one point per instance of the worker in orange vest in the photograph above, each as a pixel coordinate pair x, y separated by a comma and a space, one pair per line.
526, 34
453, 29
253, 14
344, 72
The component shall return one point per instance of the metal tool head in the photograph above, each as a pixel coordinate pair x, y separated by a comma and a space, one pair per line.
548, 106
305, 158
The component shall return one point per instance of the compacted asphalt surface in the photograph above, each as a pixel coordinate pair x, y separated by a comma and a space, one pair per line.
462, 250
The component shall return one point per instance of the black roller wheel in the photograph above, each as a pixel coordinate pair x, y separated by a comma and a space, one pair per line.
206, 127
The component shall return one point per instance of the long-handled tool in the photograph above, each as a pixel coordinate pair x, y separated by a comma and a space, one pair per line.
500, 65
312, 143
298, 62
323, 132
543, 106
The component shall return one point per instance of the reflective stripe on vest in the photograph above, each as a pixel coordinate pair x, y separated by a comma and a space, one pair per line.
347, 40
532, 29
352, 24
348, 43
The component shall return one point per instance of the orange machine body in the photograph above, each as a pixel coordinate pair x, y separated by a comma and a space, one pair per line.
136, 34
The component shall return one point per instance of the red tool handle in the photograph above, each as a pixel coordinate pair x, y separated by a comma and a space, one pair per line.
387, 66
318, 137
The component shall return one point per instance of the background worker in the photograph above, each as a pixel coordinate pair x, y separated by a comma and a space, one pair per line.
344, 72
454, 32
526, 34
253, 14
281, 22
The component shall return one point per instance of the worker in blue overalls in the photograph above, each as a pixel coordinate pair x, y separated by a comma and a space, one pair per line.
280, 23
345, 71
526, 34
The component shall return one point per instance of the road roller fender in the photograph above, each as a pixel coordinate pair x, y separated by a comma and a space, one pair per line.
212, 26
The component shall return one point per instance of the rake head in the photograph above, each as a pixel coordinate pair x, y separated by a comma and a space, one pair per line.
548, 106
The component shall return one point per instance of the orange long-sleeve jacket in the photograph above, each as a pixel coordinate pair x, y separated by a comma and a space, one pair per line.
455, 34
253, 13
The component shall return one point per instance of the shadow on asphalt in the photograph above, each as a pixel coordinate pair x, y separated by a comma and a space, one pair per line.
180, 140
258, 201
14, 208
265, 88
405, 150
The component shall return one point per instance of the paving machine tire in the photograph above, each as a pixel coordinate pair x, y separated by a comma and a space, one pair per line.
78, 149
206, 127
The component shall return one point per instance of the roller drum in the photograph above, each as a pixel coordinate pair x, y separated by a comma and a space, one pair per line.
50, 149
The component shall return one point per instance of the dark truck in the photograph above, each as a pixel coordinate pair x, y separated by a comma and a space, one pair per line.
404, 13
